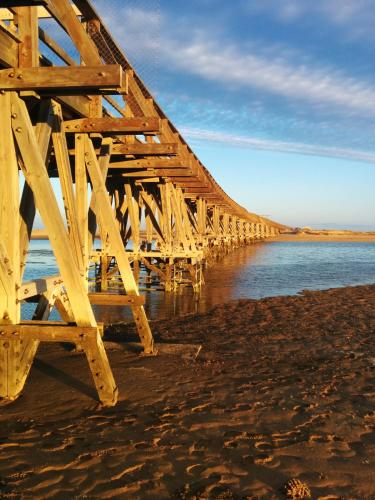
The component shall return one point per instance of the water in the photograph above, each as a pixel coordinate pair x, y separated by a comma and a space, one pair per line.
261, 270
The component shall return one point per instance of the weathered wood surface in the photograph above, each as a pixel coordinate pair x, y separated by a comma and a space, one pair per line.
63, 80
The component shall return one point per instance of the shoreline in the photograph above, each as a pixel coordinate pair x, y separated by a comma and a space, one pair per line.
282, 388
330, 237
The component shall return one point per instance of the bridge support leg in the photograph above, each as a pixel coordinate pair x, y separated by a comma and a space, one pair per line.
19, 342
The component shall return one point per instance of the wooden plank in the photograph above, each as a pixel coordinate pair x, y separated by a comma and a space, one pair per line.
65, 176
81, 197
42, 13
65, 79
138, 148
37, 177
113, 125
150, 163
46, 331
28, 53
112, 299
9, 209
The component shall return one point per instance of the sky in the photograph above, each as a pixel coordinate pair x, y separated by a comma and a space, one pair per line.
276, 97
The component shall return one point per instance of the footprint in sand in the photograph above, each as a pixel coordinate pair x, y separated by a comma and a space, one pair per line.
341, 449
266, 460
283, 439
263, 446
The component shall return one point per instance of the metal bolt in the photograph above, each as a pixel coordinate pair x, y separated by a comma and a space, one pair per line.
14, 115
20, 76
18, 129
11, 75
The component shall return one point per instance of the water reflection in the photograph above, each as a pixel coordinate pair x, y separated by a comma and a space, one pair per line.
260, 270
220, 286
264, 270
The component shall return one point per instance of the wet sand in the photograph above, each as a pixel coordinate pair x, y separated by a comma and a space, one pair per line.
282, 388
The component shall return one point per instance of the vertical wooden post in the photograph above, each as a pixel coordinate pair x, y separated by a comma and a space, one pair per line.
82, 204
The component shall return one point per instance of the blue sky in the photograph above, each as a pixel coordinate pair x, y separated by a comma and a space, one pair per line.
277, 97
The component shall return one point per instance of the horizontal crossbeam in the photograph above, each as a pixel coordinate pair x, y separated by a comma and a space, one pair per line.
111, 299
47, 331
113, 125
150, 163
64, 79
145, 149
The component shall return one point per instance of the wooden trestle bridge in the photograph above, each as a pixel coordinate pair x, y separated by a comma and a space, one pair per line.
84, 116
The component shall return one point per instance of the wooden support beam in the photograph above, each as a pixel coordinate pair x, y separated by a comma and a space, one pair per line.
150, 163
9, 215
28, 52
42, 12
112, 299
63, 80
152, 172
81, 199
152, 149
113, 125
65, 176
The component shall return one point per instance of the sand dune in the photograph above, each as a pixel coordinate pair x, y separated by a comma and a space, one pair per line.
283, 388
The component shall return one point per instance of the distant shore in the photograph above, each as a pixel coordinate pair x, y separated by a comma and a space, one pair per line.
321, 236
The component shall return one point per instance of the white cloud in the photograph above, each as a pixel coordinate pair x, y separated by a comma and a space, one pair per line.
230, 67
355, 16
148, 37
277, 146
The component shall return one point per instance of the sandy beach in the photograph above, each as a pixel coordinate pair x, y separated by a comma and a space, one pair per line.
321, 236
282, 388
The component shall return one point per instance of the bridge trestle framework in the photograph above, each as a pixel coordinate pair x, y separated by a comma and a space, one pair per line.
125, 174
